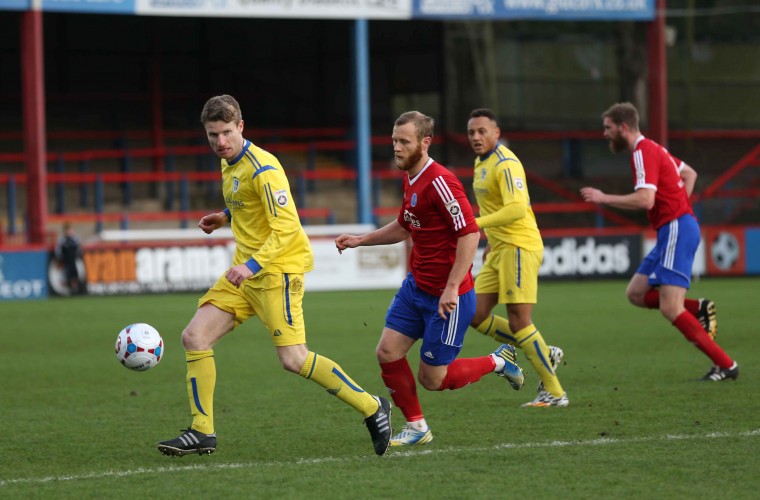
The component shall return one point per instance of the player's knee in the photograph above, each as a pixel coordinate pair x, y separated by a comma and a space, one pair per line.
290, 366
635, 298
292, 357
385, 354
429, 382
192, 340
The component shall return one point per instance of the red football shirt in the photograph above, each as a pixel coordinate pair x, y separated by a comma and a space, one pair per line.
436, 211
655, 168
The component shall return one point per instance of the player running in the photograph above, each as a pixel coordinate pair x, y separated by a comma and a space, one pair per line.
436, 301
266, 279
513, 256
662, 186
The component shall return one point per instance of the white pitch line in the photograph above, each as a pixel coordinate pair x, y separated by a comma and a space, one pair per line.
407, 453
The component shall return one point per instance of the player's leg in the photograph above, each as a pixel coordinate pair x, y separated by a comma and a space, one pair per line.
440, 368
542, 358
278, 299
640, 293
703, 309
214, 318
487, 294
638, 288
518, 289
671, 306
679, 240
402, 386
404, 325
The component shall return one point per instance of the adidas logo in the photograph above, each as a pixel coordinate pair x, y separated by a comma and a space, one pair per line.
429, 354
383, 425
277, 333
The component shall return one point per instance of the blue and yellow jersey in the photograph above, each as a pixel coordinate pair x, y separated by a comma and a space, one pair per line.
264, 217
501, 191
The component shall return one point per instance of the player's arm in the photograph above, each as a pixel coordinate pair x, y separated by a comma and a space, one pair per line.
211, 222
642, 198
467, 247
689, 177
513, 196
386, 235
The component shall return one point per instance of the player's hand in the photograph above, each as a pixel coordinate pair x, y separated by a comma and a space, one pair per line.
346, 241
591, 195
211, 222
448, 302
236, 275
486, 251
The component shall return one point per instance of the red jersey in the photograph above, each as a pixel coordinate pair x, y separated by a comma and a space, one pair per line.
436, 211
655, 168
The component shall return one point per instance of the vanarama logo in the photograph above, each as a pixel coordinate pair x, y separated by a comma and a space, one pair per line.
587, 257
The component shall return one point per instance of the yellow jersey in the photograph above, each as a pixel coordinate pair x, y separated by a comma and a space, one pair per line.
501, 191
265, 221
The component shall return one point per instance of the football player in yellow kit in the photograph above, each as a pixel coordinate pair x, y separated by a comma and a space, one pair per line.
513, 256
272, 253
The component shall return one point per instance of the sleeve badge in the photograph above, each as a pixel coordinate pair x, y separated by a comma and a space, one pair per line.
281, 197
453, 208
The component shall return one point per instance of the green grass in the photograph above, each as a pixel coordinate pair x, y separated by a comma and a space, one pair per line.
78, 425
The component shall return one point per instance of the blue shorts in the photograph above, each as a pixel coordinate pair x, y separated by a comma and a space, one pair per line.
671, 260
414, 313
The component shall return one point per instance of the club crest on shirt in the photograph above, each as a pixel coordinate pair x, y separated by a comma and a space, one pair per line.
519, 183
453, 208
281, 197
235, 184
413, 201
483, 173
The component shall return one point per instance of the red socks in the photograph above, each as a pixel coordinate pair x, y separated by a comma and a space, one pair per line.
652, 301
465, 371
690, 327
400, 381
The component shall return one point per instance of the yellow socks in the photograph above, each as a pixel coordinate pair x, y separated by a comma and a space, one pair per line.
533, 346
201, 379
331, 376
497, 328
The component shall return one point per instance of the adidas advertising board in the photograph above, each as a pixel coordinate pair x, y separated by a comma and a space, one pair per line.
592, 257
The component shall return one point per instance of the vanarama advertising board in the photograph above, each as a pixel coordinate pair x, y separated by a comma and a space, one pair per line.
142, 262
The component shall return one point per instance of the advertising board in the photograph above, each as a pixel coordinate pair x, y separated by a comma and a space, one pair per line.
546, 10
160, 267
23, 275
591, 257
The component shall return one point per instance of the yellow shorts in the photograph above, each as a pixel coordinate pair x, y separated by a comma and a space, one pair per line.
276, 298
512, 273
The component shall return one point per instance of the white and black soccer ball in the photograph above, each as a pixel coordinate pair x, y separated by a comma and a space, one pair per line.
139, 347
724, 251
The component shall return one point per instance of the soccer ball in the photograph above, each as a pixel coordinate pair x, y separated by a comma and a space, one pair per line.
139, 347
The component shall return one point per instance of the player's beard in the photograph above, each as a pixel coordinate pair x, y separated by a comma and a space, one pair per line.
618, 144
411, 160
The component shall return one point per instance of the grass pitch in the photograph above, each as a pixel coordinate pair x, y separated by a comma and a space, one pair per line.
78, 425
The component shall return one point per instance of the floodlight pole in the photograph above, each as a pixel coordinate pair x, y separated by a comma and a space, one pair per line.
658, 77
33, 106
362, 122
